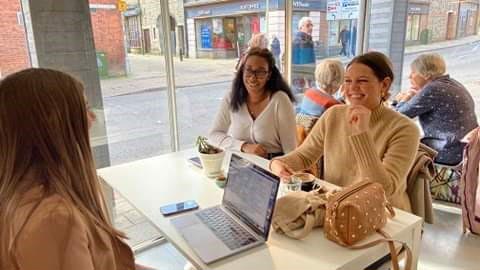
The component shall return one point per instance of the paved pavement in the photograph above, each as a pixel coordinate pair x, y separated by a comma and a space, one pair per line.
148, 72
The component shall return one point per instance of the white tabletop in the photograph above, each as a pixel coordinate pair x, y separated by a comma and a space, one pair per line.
151, 183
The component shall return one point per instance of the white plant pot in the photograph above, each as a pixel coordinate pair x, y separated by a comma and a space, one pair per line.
212, 163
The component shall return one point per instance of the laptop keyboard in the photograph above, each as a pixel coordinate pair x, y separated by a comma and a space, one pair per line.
225, 228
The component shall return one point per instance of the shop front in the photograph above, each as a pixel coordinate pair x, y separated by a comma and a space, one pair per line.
342, 17
467, 18
417, 24
223, 30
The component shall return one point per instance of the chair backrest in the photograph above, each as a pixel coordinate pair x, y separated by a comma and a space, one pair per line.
469, 183
302, 134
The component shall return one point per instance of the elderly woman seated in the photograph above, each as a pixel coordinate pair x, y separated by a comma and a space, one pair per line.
329, 77
444, 107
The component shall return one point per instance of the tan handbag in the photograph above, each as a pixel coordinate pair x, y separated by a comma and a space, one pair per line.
358, 211
297, 213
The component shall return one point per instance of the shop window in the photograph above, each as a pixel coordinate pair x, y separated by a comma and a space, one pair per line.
204, 32
228, 33
413, 27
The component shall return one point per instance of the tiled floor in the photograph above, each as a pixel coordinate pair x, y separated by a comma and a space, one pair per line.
444, 247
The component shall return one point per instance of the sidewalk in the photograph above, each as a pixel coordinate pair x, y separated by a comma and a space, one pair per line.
148, 72
441, 45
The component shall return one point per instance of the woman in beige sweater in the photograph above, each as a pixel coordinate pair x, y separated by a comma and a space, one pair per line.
363, 139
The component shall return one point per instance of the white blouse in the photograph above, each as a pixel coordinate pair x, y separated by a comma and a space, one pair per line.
274, 128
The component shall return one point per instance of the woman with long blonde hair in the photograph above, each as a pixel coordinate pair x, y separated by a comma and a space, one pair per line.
52, 210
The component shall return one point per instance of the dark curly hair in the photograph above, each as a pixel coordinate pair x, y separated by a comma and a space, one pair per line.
274, 84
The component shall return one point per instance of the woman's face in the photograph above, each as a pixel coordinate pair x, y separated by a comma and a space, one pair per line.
255, 74
417, 80
362, 87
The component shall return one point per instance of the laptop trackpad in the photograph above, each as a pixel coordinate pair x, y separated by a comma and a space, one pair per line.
205, 242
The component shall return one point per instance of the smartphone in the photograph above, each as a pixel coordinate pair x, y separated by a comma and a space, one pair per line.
180, 207
196, 162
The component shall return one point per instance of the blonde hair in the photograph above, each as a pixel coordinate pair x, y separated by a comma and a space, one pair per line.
259, 40
329, 75
43, 118
429, 65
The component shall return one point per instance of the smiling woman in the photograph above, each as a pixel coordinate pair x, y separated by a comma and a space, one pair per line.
252, 111
362, 140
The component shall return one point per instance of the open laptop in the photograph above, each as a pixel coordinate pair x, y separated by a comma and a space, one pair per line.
243, 219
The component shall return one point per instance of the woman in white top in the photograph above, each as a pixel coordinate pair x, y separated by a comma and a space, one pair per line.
257, 115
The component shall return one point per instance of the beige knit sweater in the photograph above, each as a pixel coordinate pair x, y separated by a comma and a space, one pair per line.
383, 154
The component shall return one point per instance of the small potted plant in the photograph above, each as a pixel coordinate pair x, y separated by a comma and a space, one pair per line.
210, 156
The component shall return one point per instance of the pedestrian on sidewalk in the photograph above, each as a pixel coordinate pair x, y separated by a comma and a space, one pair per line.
303, 46
276, 51
343, 38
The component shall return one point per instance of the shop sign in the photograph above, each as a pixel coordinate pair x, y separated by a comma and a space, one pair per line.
342, 9
300, 4
250, 6
417, 9
132, 11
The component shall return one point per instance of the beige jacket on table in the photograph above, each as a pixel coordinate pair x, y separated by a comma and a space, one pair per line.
384, 154
57, 236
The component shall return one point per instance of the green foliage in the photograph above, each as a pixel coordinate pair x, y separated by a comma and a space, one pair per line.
204, 147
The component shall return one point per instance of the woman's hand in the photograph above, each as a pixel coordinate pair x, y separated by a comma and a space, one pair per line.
281, 169
256, 149
407, 95
359, 118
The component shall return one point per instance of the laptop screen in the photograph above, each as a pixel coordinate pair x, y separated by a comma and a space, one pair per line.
250, 193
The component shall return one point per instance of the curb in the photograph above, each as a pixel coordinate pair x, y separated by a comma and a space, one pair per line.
434, 48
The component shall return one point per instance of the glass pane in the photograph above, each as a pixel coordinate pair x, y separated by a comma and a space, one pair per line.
216, 35
321, 30
133, 80
444, 29
14, 49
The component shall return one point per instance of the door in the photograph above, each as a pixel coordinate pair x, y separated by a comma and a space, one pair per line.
450, 26
146, 39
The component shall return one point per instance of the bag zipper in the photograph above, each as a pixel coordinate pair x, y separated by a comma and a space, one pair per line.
351, 191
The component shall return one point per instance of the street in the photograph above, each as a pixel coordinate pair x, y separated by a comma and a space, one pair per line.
137, 121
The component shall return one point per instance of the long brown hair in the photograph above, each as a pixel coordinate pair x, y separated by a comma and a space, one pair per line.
44, 134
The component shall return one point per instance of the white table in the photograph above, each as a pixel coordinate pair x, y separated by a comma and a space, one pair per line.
151, 183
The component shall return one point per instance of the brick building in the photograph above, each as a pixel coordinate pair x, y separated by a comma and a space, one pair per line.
13, 50
438, 20
107, 28
108, 34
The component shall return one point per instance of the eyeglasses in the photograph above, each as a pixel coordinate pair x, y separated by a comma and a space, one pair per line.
259, 74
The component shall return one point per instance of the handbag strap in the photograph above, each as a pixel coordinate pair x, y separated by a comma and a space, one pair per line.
393, 253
